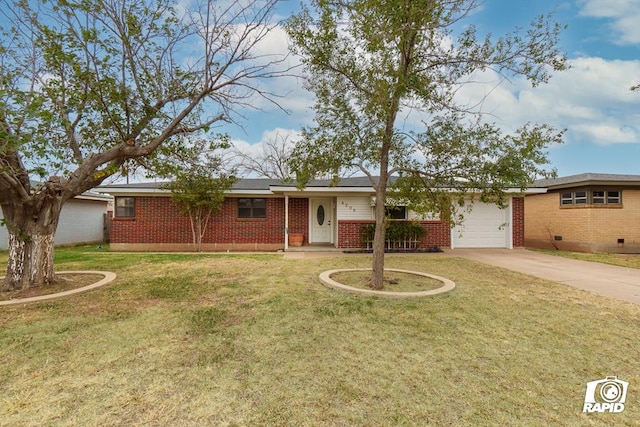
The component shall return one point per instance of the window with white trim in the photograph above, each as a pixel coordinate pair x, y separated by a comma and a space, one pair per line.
125, 207
591, 197
395, 212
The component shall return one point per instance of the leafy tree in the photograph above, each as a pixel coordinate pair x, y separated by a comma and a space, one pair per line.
199, 195
376, 64
88, 88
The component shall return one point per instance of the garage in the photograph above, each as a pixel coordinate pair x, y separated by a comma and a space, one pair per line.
484, 226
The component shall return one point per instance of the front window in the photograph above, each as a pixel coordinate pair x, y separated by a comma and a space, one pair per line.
125, 207
252, 208
395, 212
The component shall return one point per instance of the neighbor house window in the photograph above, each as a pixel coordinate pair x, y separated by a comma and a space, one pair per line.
574, 198
613, 198
125, 207
395, 212
252, 208
594, 197
599, 197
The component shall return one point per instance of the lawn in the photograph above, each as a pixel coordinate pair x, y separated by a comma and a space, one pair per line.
256, 340
622, 260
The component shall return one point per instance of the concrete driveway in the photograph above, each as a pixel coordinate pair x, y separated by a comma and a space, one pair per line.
617, 282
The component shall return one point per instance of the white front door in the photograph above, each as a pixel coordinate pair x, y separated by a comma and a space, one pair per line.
321, 219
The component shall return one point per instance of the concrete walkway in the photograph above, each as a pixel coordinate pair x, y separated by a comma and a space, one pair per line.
617, 282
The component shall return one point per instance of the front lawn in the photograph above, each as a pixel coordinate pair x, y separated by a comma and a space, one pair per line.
256, 340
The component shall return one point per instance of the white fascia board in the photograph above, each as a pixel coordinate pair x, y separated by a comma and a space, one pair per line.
249, 193
97, 198
161, 192
332, 190
132, 191
535, 190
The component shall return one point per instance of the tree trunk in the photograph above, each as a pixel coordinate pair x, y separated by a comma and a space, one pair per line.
31, 239
199, 233
377, 274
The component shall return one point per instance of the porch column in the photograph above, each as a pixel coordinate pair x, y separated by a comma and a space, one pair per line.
286, 222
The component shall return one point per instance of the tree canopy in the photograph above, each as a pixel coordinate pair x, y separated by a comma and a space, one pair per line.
199, 195
91, 88
387, 74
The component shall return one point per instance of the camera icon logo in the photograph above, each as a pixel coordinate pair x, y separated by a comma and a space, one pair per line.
605, 395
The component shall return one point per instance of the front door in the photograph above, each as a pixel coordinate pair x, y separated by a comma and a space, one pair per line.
321, 218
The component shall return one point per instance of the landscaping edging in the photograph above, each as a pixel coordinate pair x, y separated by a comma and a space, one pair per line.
108, 278
325, 278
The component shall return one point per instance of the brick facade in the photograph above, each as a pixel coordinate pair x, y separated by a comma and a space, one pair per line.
158, 225
586, 228
299, 217
438, 233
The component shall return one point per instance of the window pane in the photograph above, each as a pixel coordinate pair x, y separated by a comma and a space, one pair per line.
613, 197
244, 208
259, 208
580, 198
252, 208
396, 212
598, 198
124, 207
566, 199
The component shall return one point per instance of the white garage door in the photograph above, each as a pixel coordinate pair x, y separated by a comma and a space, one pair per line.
486, 226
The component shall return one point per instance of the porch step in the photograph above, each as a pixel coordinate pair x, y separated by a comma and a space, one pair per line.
314, 248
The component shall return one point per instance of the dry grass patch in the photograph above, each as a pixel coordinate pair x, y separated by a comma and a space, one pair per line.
394, 281
256, 340
66, 282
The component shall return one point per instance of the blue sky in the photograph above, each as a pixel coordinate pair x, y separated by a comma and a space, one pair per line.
592, 100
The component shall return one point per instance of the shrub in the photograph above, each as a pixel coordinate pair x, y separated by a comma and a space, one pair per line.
400, 235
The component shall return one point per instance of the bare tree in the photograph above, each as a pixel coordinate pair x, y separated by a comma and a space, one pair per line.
270, 162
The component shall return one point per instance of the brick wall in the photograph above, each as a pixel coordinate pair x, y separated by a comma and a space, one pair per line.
299, 217
438, 233
158, 225
583, 228
517, 222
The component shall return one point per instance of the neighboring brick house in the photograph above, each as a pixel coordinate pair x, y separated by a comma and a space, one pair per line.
259, 214
589, 212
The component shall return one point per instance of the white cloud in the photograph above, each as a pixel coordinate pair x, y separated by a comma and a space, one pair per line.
592, 100
290, 136
607, 133
624, 16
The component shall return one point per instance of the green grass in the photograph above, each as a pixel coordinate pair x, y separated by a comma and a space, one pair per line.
256, 340
622, 260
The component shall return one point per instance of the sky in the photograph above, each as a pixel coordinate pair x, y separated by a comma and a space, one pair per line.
592, 100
